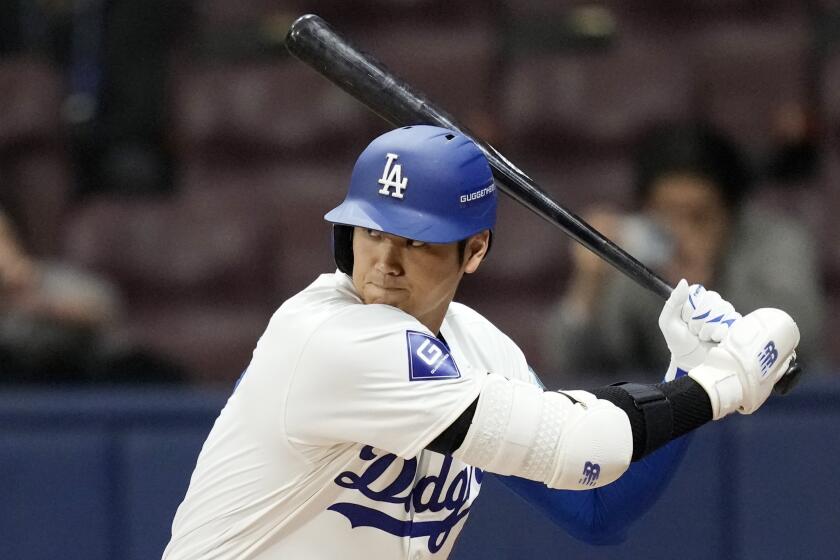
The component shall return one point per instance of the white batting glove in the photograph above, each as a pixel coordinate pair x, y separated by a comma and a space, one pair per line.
692, 321
739, 374
708, 315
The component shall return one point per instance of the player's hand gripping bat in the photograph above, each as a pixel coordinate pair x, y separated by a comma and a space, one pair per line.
311, 40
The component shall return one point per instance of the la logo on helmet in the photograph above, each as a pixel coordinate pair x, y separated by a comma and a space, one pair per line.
392, 177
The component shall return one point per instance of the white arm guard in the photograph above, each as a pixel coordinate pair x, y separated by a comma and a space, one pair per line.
520, 430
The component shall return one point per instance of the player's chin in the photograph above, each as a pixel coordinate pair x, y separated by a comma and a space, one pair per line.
395, 297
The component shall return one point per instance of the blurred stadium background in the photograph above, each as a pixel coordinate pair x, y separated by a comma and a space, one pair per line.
173, 147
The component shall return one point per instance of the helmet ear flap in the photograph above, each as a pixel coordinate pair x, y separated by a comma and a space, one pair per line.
343, 248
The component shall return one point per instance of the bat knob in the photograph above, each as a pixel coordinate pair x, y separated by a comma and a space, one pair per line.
790, 379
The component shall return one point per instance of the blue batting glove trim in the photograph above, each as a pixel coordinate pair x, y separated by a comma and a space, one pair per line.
703, 316
680, 373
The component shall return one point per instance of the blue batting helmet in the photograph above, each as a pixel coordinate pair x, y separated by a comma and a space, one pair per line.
420, 182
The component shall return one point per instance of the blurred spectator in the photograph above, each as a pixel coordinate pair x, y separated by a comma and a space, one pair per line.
55, 322
692, 222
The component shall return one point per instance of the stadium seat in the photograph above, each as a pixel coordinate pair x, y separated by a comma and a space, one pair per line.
580, 100
277, 109
291, 199
224, 13
197, 271
190, 247
456, 66
747, 71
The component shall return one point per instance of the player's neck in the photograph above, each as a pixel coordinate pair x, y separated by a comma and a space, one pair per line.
434, 319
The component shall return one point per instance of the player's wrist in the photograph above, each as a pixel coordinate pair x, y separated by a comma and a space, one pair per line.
689, 359
719, 378
675, 370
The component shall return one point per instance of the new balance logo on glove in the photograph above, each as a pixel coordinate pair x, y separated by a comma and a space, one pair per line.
767, 357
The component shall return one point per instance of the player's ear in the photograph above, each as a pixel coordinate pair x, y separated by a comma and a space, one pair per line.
476, 250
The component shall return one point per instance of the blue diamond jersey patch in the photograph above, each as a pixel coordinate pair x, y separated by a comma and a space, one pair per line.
429, 358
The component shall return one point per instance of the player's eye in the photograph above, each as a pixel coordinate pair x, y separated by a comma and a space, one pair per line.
415, 243
374, 233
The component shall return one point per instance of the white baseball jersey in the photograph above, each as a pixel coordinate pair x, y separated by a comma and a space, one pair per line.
319, 452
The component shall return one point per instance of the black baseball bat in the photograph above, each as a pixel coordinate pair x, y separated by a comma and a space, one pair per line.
314, 42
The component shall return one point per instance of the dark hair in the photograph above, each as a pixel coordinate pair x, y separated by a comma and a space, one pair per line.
462, 248
692, 149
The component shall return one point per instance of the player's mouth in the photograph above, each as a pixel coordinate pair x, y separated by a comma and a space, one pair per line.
376, 293
386, 282
386, 288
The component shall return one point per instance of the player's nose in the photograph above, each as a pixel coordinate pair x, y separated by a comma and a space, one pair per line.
389, 257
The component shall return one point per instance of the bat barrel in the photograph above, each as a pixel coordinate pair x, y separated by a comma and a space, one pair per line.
314, 42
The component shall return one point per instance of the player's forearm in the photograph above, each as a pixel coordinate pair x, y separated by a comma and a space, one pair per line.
574, 440
569, 440
603, 515
659, 413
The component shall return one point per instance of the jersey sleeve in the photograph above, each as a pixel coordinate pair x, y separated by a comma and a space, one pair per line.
376, 376
604, 515
500, 353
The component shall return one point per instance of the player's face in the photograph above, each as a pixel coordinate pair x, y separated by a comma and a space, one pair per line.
696, 215
419, 278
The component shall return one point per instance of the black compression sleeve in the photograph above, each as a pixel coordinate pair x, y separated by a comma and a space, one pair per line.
690, 408
449, 440
690, 404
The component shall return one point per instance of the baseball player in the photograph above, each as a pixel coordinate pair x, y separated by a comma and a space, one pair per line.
374, 405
